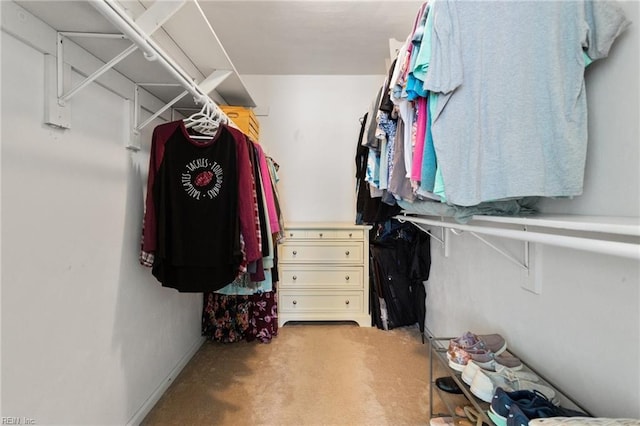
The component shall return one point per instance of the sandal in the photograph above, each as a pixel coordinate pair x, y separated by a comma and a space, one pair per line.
473, 415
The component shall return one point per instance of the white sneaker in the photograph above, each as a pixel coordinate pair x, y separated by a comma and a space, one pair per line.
469, 371
472, 367
484, 384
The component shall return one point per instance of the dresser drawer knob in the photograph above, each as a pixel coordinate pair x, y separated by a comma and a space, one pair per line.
291, 234
347, 278
295, 252
320, 234
295, 277
350, 234
346, 302
295, 302
347, 252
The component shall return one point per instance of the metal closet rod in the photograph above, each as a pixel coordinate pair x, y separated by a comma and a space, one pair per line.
114, 14
614, 248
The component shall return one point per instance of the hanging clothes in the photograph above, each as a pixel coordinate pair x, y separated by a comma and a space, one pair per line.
210, 225
197, 205
511, 119
234, 318
247, 309
472, 136
400, 260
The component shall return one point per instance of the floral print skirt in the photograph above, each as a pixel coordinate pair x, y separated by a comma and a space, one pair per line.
232, 318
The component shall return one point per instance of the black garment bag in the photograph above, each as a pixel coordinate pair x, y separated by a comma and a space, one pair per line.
400, 262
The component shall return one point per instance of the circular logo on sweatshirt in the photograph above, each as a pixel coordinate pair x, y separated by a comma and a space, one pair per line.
202, 179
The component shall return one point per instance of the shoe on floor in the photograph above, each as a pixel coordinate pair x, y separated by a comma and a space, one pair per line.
469, 371
473, 416
459, 410
502, 401
459, 358
586, 421
485, 383
516, 417
532, 404
492, 342
447, 384
449, 421
504, 360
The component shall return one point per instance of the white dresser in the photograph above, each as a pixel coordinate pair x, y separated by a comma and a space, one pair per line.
324, 273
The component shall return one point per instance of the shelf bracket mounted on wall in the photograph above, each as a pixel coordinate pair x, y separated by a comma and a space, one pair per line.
522, 264
140, 36
58, 114
133, 124
207, 85
137, 126
57, 109
456, 231
442, 239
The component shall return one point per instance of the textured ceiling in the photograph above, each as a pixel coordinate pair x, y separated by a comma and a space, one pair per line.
310, 37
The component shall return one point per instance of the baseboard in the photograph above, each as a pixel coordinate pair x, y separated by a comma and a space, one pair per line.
142, 412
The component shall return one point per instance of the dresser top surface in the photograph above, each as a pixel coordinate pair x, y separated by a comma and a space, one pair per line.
324, 225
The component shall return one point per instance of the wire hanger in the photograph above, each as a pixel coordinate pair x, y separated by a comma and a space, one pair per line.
206, 121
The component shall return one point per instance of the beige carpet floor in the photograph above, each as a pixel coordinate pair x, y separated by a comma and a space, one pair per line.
310, 374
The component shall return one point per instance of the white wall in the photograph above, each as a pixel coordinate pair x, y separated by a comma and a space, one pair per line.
88, 335
312, 130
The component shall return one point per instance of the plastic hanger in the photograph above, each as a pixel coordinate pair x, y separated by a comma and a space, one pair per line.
206, 121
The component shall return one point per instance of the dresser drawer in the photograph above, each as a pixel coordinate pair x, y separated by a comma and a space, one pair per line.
324, 234
295, 234
320, 234
319, 252
320, 301
349, 234
310, 234
293, 276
